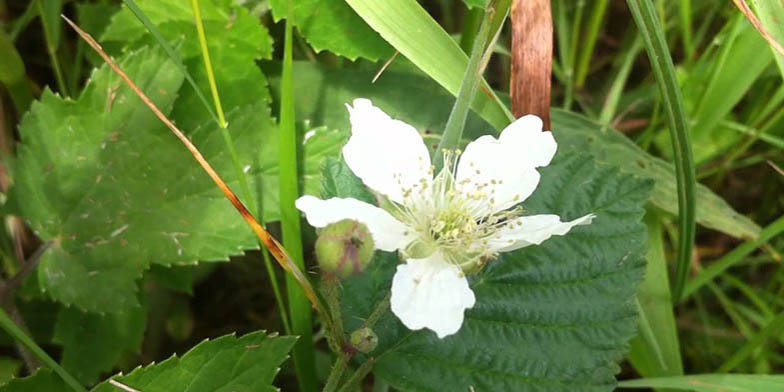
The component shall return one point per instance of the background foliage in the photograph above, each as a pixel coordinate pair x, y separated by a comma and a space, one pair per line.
138, 239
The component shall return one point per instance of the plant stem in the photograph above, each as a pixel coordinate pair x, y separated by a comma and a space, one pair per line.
243, 181
589, 42
336, 373
299, 309
12, 329
51, 46
648, 23
358, 375
453, 131
471, 23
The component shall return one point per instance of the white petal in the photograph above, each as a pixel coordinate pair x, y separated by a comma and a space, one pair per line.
388, 155
533, 230
431, 293
504, 169
388, 233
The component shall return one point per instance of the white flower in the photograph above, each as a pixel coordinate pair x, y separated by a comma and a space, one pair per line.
444, 226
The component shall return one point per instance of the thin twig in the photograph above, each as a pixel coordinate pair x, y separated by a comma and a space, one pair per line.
384, 67
122, 386
27, 267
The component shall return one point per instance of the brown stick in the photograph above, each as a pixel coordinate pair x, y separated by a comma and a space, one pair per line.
274, 247
532, 58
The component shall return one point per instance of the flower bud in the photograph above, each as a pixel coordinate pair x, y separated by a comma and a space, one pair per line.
364, 340
344, 248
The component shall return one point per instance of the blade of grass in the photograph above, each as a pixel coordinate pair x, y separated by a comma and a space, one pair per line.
733, 257
274, 247
656, 352
771, 329
48, 10
712, 383
453, 131
416, 35
770, 12
131, 4
616, 89
304, 352
12, 74
588, 41
473, 19
569, 68
238, 173
684, 11
647, 21
12, 329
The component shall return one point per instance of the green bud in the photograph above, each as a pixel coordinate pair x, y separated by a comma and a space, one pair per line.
364, 340
344, 248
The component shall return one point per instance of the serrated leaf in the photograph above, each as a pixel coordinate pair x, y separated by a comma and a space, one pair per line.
115, 191
555, 317
332, 25
235, 40
229, 363
321, 94
42, 380
93, 343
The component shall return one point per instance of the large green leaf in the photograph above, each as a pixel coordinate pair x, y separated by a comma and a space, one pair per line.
93, 343
115, 191
555, 317
713, 383
235, 40
321, 94
332, 25
227, 364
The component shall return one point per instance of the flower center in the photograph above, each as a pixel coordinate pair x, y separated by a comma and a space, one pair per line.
451, 220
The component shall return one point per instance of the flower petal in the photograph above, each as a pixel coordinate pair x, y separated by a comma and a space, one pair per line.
533, 230
389, 234
431, 293
388, 155
502, 172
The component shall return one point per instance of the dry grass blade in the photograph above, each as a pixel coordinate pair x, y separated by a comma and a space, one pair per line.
744, 8
274, 247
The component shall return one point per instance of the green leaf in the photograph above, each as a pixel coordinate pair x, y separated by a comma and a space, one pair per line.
719, 82
229, 363
476, 3
93, 343
235, 40
9, 368
332, 25
416, 35
770, 12
659, 355
648, 22
712, 383
103, 179
321, 94
42, 380
555, 317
